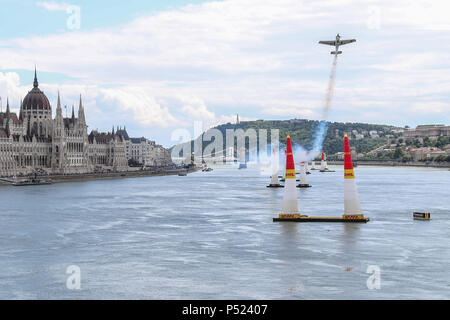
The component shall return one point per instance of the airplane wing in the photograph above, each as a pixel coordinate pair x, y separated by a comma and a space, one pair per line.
330, 43
347, 41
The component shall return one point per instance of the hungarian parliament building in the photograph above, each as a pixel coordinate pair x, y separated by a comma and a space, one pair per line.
34, 142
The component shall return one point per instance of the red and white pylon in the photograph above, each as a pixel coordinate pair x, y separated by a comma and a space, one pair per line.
303, 180
323, 163
351, 200
274, 178
290, 200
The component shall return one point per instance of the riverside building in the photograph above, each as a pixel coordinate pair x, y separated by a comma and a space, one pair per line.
34, 142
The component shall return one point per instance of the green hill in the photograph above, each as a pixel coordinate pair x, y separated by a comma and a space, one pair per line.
303, 131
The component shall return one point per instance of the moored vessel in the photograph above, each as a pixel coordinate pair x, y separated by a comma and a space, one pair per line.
421, 215
31, 182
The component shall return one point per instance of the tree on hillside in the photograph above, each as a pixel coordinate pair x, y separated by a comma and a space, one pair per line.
417, 143
442, 141
303, 132
427, 142
407, 158
398, 153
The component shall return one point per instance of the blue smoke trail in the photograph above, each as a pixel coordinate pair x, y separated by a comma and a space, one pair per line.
303, 154
321, 133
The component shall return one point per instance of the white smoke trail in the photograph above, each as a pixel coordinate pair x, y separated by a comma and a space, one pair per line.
330, 90
300, 153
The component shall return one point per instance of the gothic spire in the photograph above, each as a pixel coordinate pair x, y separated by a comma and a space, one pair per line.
58, 108
73, 114
35, 83
58, 105
81, 117
7, 107
21, 111
112, 130
81, 104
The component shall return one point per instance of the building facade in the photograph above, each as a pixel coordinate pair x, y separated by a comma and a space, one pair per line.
425, 153
145, 152
427, 131
34, 142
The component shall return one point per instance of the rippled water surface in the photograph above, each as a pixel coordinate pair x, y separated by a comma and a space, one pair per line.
211, 236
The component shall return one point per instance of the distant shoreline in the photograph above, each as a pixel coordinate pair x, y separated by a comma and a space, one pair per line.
394, 164
109, 175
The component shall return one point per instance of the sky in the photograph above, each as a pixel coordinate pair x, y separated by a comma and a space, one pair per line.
159, 66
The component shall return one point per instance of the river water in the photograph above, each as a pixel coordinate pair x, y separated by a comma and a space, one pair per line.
210, 235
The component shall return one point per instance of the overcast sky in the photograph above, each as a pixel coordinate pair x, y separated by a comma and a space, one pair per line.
155, 66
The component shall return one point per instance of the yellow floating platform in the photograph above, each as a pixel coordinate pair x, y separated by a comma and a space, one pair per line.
421, 216
300, 218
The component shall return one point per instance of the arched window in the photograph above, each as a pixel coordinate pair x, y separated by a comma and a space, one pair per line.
34, 131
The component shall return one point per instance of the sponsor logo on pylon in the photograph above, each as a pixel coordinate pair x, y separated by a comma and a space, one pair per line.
349, 174
290, 167
290, 205
290, 174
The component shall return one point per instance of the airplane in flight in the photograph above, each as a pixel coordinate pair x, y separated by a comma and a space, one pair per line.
338, 42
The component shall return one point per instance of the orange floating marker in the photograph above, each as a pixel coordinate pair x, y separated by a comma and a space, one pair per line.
290, 201
324, 165
303, 180
352, 209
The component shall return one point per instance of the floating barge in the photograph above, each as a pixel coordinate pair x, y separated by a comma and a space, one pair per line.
31, 182
302, 218
275, 185
421, 216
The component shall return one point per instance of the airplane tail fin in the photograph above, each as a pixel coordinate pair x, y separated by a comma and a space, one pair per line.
334, 52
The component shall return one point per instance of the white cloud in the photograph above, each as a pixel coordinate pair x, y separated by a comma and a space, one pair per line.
10, 89
195, 107
142, 107
53, 6
432, 107
253, 57
124, 102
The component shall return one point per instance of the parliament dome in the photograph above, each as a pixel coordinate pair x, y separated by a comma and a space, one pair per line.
36, 99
